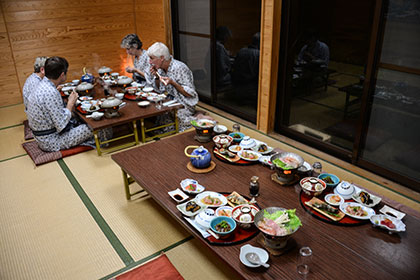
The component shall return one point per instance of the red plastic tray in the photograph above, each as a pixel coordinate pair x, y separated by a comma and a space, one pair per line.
346, 221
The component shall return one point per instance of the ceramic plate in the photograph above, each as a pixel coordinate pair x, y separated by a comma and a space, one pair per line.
266, 160
205, 199
251, 249
235, 148
191, 186
143, 103
183, 210
392, 212
178, 195
257, 147
329, 198
224, 211
369, 211
147, 89
379, 221
375, 199
249, 155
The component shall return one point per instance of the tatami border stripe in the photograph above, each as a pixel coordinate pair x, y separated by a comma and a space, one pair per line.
360, 176
103, 225
152, 256
6, 159
11, 126
5, 106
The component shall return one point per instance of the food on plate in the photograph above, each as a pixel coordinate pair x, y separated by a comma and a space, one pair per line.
223, 226
178, 197
224, 212
334, 199
248, 155
209, 200
236, 136
192, 206
262, 148
286, 163
236, 199
327, 208
365, 198
279, 223
237, 148
356, 211
387, 222
328, 180
312, 187
191, 187
223, 151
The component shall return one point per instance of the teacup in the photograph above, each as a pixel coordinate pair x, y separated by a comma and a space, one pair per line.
97, 115
119, 95
75, 82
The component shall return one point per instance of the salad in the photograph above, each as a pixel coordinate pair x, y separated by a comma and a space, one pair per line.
279, 223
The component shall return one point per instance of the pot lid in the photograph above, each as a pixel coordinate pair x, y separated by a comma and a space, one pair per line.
124, 80
104, 69
111, 102
84, 86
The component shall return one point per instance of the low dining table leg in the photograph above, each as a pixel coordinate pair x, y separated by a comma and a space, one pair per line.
126, 185
176, 122
135, 131
142, 129
98, 145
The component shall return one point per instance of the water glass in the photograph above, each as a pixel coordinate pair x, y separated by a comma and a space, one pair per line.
159, 104
236, 128
304, 260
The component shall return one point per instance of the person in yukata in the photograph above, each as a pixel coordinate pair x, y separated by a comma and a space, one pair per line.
33, 80
51, 120
175, 78
223, 59
314, 51
133, 46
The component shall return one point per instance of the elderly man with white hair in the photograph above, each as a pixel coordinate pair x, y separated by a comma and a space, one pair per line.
33, 80
175, 78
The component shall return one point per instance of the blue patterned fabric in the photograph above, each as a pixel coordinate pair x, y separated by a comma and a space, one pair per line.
30, 86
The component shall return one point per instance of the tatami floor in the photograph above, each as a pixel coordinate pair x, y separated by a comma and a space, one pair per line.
69, 219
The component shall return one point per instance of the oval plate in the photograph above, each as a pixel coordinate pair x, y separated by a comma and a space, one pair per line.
375, 199
202, 195
256, 154
186, 182
370, 211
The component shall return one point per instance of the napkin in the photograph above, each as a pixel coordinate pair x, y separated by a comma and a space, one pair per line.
197, 227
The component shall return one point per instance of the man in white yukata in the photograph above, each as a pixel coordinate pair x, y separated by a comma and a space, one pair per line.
49, 118
33, 80
175, 78
133, 46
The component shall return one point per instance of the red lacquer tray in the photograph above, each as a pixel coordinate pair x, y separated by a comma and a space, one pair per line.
346, 221
239, 235
239, 162
133, 97
80, 110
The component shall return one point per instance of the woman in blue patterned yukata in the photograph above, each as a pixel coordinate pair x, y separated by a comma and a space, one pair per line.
133, 46
49, 118
34, 79
175, 78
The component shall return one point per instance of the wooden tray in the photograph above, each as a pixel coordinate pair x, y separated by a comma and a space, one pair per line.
236, 160
316, 200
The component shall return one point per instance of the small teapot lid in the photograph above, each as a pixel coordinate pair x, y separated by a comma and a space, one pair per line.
124, 80
201, 150
84, 86
104, 69
111, 102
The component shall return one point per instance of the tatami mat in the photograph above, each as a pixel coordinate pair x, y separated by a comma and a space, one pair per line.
11, 140
12, 115
194, 261
141, 225
327, 167
46, 232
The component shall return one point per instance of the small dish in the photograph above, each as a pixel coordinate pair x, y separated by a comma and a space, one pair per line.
334, 199
249, 155
312, 186
389, 223
248, 143
210, 199
262, 254
147, 89
366, 199
204, 218
262, 148
97, 115
119, 95
244, 215
392, 212
332, 179
223, 222
349, 208
192, 209
143, 104
191, 186
178, 195
224, 211
235, 148
237, 136
305, 169
345, 189
220, 129
266, 160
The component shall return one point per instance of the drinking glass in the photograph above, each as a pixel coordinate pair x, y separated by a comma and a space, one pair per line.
304, 260
159, 104
236, 128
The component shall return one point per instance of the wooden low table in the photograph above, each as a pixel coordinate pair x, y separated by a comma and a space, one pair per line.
130, 113
359, 252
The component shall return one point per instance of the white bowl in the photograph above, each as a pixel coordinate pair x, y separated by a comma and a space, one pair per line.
75, 82
235, 148
220, 129
247, 143
251, 249
204, 218
376, 221
345, 189
143, 103
226, 208
119, 95
97, 115
186, 182
333, 203
147, 89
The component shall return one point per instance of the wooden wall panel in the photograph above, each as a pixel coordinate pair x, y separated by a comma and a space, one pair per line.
9, 86
150, 21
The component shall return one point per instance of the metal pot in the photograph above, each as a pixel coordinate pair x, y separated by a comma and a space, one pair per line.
111, 106
286, 175
104, 71
85, 88
124, 81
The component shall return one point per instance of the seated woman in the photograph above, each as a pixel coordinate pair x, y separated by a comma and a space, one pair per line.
175, 78
133, 46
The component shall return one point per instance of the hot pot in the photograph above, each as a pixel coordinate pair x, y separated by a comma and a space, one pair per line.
111, 106
287, 174
85, 88
124, 81
104, 71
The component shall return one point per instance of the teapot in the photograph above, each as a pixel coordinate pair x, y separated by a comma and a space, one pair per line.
200, 157
87, 77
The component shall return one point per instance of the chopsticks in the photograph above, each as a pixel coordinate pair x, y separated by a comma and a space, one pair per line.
215, 235
160, 78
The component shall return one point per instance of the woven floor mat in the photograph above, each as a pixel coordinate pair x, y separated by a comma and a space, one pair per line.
141, 225
39, 156
46, 231
10, 142
12, 115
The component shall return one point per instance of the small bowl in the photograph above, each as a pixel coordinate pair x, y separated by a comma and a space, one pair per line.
131, 90
97, 115
305, 169
119, 95
143, 104
345, 189
333, 203
247, 143
220, 219
220, 129
244, 215
334, 178
237, 136
224, 211
222, 141
235, 149
75, 82
313, 190
204, 218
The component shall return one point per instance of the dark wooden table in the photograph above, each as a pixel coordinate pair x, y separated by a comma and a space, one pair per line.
130, 113
358, 252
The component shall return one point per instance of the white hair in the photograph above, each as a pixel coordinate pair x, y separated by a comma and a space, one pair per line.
159, 49
39, 62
